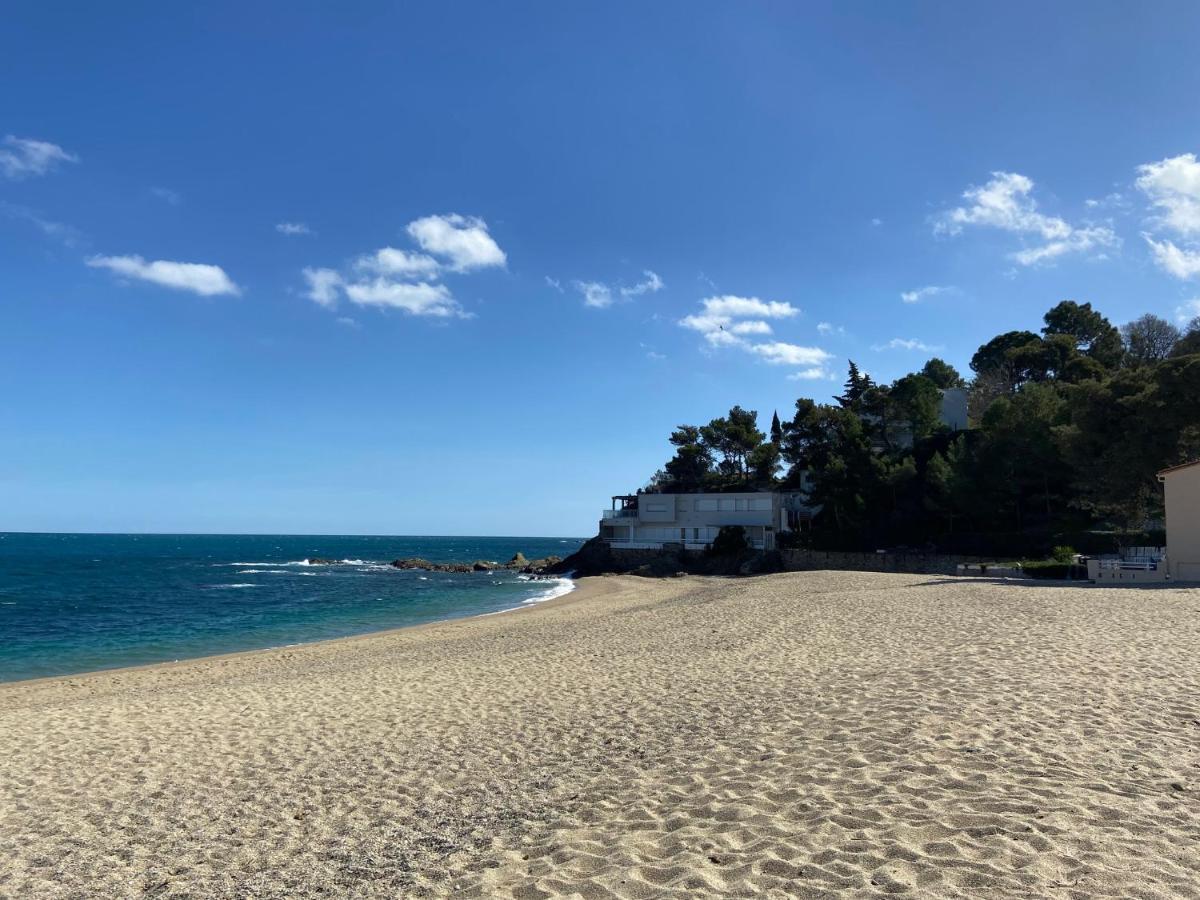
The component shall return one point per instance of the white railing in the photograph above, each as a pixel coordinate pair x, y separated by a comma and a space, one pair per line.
618, 513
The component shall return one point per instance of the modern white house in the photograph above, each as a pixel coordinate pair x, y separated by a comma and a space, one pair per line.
1182, 488
650, 521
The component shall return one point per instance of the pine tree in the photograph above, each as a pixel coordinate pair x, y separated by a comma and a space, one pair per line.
776, 429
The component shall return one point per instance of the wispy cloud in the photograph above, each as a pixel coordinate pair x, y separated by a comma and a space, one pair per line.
23, 157
323, 286
782, 354
464, 241
730, 321
65, 234
1187, 311
596, 294
877, 221
166, 195
293, 229
716, 321
816, 373
828, 328
920, 294
1173, 187
1173, 259
907, 344
649, 285
198, 278
554, 283
1006, 203
348, 322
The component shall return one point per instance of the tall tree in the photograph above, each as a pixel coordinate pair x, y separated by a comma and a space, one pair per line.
776, 429
917, 403
942, 374
734, 437
856, 386
1149, 339
1190, 342
691, 467
1094, 335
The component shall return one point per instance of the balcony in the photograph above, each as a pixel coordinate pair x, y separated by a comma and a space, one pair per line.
618, 514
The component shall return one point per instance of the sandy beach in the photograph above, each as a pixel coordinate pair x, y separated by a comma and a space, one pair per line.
801, 735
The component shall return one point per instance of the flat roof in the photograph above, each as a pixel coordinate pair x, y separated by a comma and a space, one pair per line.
1186, 465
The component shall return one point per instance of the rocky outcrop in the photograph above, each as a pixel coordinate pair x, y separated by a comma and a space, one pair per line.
596, 557
518, 563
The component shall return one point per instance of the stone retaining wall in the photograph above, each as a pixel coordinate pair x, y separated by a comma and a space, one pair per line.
917, 563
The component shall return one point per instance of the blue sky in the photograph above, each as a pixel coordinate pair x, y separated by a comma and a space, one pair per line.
596, 221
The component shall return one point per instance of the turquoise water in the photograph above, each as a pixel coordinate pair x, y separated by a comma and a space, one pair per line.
77, 602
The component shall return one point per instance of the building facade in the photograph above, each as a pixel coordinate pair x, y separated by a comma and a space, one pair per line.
1181, 485
651, 521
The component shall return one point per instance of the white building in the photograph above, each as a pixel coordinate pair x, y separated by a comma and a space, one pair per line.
1182, 487
650, 521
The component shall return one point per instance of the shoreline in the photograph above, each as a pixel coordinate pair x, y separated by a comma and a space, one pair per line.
802, 734
583, 589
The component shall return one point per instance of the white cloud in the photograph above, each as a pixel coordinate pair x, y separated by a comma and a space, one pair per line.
464, 241
906, 344
877, 222
399, 263
404, 279
21, 157
167, 195
717, 321
782, 354
816, 373
1178, 261
921, 293
68, 235
1005, 203
754, 326
1173, 186
650, 285
733, 306
728, 321
829, 328
418, 299
323, 286
199, 278
654, 355
595, 294
554, 283
1188, 311
347, 321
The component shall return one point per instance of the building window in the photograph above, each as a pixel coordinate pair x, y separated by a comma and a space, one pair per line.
727, 504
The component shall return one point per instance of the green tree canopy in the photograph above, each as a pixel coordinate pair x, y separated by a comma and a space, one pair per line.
942, 374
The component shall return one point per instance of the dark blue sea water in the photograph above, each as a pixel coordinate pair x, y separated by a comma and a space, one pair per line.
77, 602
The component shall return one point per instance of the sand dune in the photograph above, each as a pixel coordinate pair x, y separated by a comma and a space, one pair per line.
800, 735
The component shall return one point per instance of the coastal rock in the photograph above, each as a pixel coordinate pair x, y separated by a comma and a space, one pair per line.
518, 563
321, 561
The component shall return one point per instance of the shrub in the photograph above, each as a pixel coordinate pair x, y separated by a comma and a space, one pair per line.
1063, 554
730, 541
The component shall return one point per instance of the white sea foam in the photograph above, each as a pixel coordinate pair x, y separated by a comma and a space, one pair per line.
559, 588
241, 584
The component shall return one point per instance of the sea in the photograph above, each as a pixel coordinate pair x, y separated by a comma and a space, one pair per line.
73, 603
